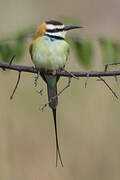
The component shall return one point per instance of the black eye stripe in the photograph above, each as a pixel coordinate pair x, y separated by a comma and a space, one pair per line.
54, 30
54, 37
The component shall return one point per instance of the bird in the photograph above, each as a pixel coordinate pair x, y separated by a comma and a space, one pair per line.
49, 51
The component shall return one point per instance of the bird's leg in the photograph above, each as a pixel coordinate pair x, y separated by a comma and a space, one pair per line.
35, 83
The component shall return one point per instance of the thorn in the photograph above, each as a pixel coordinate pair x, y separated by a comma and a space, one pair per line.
117, 82
18, 80
115, 95
3, 69
86, 81
12, 59
106, 67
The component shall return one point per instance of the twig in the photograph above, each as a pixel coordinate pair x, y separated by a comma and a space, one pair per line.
101, 79
106, 66
67, 86
18, 80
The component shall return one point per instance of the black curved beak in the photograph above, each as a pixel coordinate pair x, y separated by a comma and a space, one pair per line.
69, 27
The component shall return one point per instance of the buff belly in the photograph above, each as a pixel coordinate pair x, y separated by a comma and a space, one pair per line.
49, 55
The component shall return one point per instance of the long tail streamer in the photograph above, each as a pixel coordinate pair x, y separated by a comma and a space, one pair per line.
58, 154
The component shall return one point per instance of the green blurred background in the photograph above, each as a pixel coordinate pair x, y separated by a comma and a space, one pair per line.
88, 119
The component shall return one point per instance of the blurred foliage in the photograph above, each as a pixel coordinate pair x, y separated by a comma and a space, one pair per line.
110, 50
84, 49
6, 52
15, 44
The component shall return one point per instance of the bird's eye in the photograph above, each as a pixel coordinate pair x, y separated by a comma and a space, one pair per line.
55, 30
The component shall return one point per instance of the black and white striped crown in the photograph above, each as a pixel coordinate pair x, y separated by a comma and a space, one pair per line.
55, 28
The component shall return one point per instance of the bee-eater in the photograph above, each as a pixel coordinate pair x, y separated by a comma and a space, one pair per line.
49, 51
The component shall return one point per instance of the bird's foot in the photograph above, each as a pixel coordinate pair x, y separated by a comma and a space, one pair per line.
35, 83
43, 107
46, 104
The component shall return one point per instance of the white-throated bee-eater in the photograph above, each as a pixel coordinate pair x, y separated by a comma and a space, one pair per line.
49, 51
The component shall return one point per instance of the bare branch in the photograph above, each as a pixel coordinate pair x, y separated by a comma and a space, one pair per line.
60, 73
63, 73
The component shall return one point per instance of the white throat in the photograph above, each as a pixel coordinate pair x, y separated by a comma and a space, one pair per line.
58, 34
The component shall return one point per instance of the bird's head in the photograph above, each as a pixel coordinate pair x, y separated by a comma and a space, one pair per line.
54, 29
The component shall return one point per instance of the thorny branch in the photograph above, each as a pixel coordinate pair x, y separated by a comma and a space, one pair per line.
31, 69
63, 73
